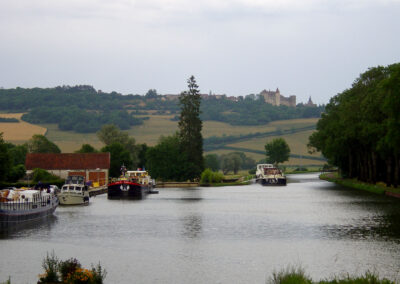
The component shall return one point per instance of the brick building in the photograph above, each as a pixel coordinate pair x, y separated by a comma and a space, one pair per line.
93, 166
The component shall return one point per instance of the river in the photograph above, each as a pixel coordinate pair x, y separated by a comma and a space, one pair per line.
238, 234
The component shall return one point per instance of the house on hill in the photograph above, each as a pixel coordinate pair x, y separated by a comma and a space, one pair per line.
93, 166
277, 99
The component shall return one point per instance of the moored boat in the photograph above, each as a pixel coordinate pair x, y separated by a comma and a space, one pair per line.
74, 191
130, 185
268, 174
19, 206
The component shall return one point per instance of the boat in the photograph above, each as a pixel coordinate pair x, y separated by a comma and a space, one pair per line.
74, 191
268, 174
130, 185
23, 205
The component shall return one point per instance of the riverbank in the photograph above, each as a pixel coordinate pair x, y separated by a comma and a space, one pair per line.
378, 188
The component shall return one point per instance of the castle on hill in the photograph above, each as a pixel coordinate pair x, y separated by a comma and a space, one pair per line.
276, 99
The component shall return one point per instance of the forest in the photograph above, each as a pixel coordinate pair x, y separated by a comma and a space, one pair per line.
84, 109
360, 129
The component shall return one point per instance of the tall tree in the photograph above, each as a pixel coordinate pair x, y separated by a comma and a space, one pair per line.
190, 126
164, 161
110, 134
40, 144
5, 159
211, 162
277, 151
119, 156
86, 148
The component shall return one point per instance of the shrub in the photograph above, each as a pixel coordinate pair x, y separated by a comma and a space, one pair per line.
206, 176
70, 272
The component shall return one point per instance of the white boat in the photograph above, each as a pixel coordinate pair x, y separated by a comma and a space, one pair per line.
268, 174
18, 206
74, 191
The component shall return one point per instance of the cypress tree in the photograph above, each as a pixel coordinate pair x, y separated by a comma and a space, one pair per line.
190, 125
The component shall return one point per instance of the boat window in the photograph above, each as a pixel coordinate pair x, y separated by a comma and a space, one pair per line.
71, 187
65, 187
78, 188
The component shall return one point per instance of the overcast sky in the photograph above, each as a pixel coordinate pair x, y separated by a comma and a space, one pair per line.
236, 47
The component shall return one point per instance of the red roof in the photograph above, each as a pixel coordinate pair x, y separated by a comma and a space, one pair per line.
70, 161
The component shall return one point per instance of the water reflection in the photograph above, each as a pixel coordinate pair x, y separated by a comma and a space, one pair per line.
192, 226
28, 229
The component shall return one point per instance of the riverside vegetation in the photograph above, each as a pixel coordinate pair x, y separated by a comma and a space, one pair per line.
360, 129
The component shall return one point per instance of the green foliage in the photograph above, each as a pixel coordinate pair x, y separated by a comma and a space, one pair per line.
69, 272
164, 161
17, 153
211, 161
5, 159
40, 144
190, 126
119, 156
290, 275
43, 176
10, 120
50, 265
17, 172
208, 177
230, 162
360, 131
277, 151
110, 134
86, 148
293, 275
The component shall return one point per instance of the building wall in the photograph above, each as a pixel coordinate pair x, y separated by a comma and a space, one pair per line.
101, 176
276, 99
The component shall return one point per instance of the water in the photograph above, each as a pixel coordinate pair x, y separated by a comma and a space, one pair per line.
217, 235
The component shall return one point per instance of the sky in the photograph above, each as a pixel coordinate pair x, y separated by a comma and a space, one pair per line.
305, 48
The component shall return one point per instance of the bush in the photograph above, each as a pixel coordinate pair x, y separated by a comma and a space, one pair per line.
69, 271
44, 176
290, 275
208, 176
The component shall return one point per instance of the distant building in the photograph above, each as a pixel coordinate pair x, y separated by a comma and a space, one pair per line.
93, 166
276, 99
310, 103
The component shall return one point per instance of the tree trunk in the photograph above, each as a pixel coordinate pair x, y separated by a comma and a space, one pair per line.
374, 176
396, 171
389, 171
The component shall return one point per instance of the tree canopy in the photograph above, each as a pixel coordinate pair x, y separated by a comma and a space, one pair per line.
360, 130
40, 144
190, 126
277, 151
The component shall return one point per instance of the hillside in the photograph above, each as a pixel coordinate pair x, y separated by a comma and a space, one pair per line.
158, 125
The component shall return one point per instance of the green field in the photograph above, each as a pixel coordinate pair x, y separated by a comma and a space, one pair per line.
158, 125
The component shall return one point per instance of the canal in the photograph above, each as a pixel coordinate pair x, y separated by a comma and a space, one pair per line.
217, 235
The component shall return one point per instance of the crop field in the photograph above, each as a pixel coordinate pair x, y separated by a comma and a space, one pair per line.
20, 132
158, 125
70, 141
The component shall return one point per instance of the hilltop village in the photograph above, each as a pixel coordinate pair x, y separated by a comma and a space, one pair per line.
274, 98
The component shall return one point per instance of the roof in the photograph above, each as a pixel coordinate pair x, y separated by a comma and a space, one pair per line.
67, 161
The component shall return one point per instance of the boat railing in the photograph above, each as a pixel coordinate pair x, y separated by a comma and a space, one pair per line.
20, 205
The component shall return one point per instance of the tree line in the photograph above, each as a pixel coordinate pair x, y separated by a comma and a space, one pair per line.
360, 129
84, 109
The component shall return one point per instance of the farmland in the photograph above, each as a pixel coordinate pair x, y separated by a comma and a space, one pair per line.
158, 125
19, 132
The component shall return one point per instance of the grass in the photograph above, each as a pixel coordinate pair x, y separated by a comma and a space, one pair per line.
158, 125
20, 132
70, 141
378, 188
297, 275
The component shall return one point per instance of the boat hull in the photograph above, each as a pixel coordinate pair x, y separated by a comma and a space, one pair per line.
272, 181
127, 190
73, 199
14, 214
